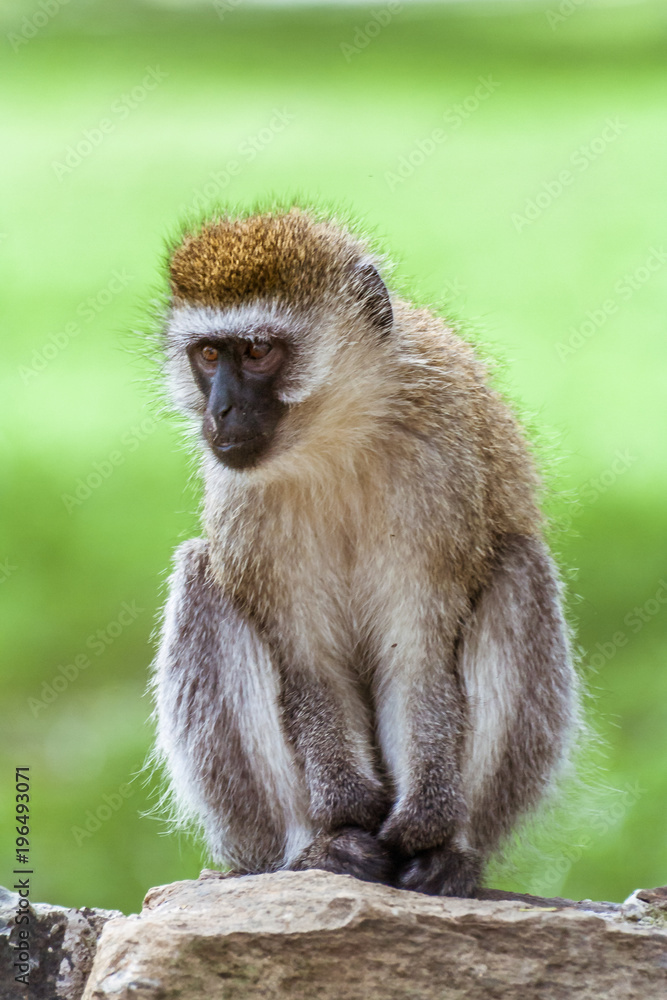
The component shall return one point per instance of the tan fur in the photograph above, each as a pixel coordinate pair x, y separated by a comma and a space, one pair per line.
342, 452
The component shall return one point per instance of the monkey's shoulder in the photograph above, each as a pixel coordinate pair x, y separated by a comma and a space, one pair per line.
423, 330
433, 357
192, 562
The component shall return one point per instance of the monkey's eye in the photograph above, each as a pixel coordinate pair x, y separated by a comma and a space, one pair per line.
258, 351
209, 354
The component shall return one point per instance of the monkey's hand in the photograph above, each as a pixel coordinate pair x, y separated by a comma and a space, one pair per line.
440, 871
425, 818
347, 799
327, 727
349, 851
419, 832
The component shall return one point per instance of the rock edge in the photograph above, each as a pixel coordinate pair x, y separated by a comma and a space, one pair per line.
306, 935
313, 935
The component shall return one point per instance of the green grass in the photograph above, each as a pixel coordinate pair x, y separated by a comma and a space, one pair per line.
449, 227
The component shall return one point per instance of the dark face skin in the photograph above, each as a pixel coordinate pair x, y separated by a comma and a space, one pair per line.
239, 379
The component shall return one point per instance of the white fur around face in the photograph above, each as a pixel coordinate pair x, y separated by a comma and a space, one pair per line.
187, 324
312, 339
192, 322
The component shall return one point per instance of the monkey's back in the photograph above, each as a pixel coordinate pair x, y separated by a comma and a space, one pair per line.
478, 474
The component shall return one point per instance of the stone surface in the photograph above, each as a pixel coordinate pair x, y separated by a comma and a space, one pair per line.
62, 948
316, 936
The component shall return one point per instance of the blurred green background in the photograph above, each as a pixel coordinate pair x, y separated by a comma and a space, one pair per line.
514, 159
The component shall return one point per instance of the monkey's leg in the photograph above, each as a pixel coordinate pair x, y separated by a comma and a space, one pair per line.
521, 691
219, 726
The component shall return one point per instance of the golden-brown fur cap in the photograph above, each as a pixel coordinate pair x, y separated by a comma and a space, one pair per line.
285, 255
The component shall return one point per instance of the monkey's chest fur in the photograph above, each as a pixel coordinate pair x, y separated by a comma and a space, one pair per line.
331, 573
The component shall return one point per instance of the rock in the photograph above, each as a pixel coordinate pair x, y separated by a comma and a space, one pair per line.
307, 935
62, 948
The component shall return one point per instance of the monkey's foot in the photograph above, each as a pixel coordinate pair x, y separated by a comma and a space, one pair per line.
349, 851
440, 871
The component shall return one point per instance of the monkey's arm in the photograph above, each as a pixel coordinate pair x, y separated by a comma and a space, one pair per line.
421, 720
330, 728
328, 723
474, 757
219, 725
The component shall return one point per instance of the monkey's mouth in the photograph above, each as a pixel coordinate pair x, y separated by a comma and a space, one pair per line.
239, 453
225, 446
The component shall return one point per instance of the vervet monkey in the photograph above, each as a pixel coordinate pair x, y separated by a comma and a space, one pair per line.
364, 664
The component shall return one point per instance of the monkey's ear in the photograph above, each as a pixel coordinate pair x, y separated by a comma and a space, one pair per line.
372, 292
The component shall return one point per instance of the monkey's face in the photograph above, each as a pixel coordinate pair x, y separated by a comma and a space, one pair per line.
239, 378
275, 321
